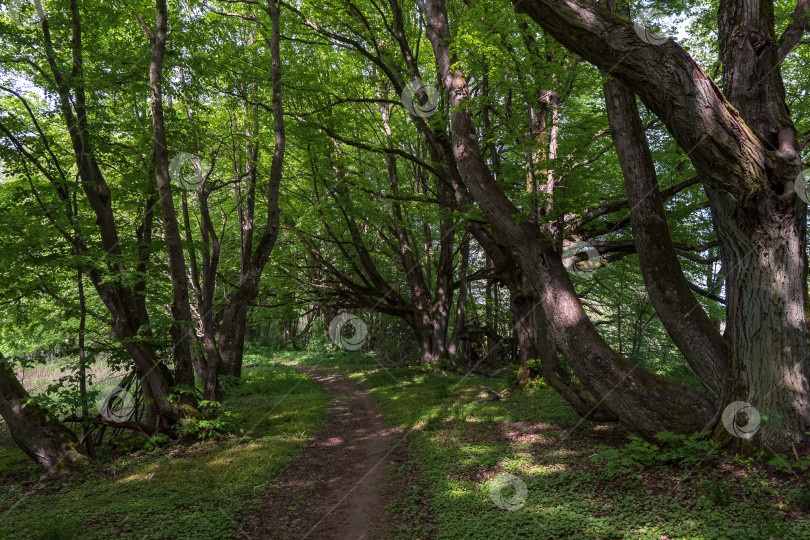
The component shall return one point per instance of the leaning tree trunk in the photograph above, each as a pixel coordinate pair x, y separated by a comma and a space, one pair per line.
744, 146
47, 441
559, 380
646, 401
690, 328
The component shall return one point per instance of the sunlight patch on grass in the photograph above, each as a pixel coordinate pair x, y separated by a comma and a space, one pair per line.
459, 445
198, 491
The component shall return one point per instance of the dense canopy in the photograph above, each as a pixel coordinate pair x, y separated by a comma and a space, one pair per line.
605, 197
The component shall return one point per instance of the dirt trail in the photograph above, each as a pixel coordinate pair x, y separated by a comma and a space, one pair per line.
334, 491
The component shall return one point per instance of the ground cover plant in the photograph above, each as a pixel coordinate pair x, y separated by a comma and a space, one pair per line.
158, 490
461, 446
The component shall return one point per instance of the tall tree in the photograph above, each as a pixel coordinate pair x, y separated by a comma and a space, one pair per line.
226, 358
63, 73
745, 151
181, 331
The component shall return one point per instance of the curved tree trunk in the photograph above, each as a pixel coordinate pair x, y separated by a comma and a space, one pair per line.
646, 401
535, 337
557, 379
46, 440
687, 323
743, 145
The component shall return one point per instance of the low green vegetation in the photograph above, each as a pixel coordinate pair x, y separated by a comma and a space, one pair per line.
581, 479
458, 446
198, 490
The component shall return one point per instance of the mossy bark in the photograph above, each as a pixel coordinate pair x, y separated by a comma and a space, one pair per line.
46, 440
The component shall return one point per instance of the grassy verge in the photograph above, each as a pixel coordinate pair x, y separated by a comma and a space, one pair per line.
459, 447
198, 491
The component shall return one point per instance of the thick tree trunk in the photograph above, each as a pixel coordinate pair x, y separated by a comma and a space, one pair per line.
49, 443
744, 147
646, 401
155, 386
763, 251
232, 335
431, 335
763, 237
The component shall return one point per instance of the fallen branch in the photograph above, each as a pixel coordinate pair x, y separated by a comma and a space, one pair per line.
135, 426
493, 396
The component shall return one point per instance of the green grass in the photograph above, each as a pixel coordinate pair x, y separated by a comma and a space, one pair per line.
198, 491
456, 449
459, 447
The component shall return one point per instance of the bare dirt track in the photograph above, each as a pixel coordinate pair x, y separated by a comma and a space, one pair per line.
334, 490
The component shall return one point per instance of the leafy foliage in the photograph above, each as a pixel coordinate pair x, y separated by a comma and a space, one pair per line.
210, 420
673, 449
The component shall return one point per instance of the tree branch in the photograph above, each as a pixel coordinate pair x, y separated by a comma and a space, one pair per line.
793, 33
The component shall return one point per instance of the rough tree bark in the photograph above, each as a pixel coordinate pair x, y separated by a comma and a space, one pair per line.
46, 440
646, 401
744, 147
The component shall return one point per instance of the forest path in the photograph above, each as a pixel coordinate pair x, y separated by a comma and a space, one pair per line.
334, 490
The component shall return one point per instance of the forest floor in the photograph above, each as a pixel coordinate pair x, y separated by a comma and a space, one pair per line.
198, 490
524, 467
342, 445
335, 489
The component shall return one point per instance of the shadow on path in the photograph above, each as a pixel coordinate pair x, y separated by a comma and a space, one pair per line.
334, 491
